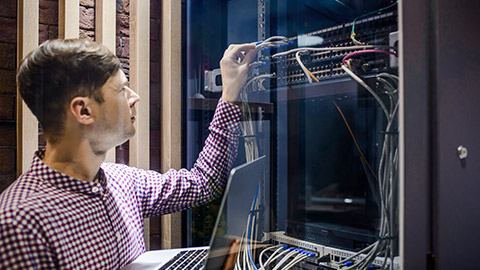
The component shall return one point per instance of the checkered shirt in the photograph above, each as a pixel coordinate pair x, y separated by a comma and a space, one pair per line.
49, 220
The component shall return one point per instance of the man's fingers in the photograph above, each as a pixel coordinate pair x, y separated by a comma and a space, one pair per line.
235, 50
249, 56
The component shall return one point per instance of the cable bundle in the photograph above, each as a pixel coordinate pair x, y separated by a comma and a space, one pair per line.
387, 180
387, 175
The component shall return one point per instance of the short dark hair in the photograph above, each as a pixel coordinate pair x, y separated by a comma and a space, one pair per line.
59, 70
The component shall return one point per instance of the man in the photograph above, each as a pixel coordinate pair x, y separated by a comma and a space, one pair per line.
71, 210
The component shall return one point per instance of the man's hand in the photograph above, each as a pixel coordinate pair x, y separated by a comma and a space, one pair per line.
234, 67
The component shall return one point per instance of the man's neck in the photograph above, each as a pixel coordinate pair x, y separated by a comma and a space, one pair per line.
74, 159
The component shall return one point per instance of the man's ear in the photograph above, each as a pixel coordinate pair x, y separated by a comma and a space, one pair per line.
80, 107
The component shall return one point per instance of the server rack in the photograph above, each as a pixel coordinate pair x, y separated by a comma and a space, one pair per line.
278, 106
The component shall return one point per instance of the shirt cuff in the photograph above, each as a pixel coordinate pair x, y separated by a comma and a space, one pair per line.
227, 116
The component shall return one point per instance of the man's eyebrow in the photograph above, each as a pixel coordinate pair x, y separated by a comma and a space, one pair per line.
124, 83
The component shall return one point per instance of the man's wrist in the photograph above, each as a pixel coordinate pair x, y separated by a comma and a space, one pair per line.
231, 99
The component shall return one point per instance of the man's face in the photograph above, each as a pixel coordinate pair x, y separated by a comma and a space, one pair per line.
114, 123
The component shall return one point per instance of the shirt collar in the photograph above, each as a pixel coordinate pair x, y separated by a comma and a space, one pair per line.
63, 181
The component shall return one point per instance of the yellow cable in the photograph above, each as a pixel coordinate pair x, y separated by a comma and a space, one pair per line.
355, 140
311, 75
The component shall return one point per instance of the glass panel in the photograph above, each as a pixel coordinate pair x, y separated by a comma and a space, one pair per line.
323, 100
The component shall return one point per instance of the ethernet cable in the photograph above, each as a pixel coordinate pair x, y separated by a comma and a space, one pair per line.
307, 72
355, 140
273, 258
385, 231
300, 257
251, 146
353, 34
275, 41
257, 78
370, 90
292, 251
260, 258
344, 60
321, 49
387, 176
250, 233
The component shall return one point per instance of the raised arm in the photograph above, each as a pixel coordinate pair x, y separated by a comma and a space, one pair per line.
178, 190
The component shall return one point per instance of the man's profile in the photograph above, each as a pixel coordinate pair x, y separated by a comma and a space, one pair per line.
71, 210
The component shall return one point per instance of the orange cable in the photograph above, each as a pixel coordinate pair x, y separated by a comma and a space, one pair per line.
355, 140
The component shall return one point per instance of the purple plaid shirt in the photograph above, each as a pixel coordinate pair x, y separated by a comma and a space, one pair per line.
49, 220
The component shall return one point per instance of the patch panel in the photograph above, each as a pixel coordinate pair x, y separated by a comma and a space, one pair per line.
335, 256
325, 65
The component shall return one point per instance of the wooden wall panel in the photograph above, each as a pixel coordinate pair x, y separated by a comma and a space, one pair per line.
105, 29
171, 108
27, 125
68, 19
139, 147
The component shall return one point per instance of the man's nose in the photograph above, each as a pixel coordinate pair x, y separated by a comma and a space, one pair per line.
133, 97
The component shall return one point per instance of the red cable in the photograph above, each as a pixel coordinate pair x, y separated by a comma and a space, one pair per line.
344, 60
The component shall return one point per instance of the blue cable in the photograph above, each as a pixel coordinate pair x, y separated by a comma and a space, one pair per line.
250, 229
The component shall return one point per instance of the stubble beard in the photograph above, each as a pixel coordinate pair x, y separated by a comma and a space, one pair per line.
100, 144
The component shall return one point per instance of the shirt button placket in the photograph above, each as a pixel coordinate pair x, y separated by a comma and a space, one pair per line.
96, 189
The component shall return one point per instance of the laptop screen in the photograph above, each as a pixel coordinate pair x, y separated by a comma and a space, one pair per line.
241, 214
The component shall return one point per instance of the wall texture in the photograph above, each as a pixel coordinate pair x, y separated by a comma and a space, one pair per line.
155, 117
8, 47
48, 29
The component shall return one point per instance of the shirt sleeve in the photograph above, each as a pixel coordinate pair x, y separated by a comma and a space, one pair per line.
177, 190
21, 248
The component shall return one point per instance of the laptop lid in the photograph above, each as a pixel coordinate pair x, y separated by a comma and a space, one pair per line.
243, 188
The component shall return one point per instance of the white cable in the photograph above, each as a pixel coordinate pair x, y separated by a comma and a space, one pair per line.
239, 265
387, 173
358, 253
299, 258
370, 90
329, 49
269, 43
297, 56
272, 258
388, 75
260, 258
258, 77
285, 258
276, 37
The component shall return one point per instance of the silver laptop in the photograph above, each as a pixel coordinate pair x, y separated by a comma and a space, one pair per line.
241, 191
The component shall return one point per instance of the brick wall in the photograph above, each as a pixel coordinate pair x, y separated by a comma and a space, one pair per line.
87, 19
48, 18
8, 47
123, 52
